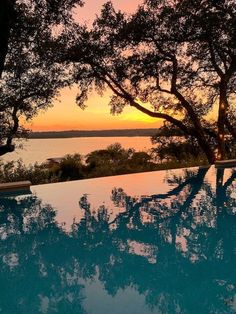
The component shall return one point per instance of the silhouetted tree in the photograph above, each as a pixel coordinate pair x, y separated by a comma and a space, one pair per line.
116, 160
7, 19
176, 56
29, 54
70, 168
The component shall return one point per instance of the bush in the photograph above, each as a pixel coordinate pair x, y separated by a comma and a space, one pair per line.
17, 171
70, 168
112, 161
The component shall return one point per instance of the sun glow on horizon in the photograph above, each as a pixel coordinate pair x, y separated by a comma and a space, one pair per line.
66, 115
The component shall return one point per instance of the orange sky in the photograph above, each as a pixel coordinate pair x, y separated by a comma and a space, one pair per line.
65, 115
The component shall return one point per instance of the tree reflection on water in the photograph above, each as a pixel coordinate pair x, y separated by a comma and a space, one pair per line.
176, 249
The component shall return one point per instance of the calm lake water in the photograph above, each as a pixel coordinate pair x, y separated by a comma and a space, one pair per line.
38, 150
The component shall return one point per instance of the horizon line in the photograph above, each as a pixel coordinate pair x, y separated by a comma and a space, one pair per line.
95, 130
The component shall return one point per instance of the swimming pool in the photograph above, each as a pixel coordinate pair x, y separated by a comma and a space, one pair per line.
159, 242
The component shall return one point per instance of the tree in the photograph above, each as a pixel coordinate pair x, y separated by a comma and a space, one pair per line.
29, 70
6, 21
110, 161
70, 168
166, 56
214, 43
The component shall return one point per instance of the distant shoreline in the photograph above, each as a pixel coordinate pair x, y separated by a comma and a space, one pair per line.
94, 133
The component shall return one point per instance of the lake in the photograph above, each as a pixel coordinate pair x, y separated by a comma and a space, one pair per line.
38, 150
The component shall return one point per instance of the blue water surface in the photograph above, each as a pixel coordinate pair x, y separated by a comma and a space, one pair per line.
161, 242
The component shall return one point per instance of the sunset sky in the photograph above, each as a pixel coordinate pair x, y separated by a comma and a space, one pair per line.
65, 115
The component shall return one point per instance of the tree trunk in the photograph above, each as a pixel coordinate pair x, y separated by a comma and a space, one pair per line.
206, 149
4, 149
222, 114
198, 129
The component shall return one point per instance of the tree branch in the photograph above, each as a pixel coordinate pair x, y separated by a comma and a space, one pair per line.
4, 149
125, 95
213, 60
164, 116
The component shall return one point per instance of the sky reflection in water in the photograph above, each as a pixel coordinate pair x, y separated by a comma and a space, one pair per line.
162, 242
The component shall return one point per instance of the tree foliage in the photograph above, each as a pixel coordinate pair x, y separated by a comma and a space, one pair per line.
173, 60
29, 70
114, 160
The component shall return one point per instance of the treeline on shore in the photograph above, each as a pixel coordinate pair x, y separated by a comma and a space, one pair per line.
93, 133
114, 160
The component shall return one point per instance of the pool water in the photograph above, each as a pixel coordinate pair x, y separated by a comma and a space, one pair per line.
160, 242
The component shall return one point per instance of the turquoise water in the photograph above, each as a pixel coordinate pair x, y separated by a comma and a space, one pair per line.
161, 242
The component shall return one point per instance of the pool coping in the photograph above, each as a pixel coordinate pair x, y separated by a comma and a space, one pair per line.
15, 187
225, 163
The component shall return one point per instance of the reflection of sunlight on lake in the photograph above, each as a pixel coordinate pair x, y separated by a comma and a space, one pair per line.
38, 150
